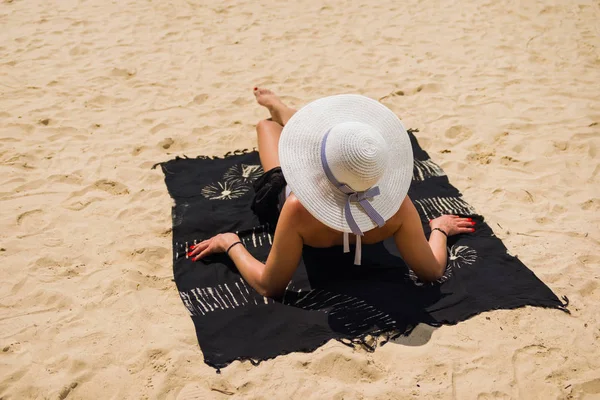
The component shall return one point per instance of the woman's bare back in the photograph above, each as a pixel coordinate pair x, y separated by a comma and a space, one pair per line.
316, 234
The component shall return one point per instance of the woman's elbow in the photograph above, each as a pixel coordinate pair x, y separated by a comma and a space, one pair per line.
271, 293
434, 274
268, 291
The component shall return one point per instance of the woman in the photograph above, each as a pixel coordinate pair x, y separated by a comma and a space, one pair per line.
348, 164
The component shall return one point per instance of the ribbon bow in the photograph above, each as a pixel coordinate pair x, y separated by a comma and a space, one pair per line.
352, 197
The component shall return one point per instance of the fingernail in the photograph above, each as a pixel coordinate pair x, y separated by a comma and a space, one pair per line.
472, 223
470, 219
472, 230
192, 246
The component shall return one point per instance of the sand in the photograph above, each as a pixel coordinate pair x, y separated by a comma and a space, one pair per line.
93, 93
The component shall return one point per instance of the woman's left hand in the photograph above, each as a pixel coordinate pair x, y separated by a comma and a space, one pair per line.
216, 244
453, 224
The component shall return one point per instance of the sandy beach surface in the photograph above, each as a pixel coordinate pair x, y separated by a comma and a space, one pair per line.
93, 93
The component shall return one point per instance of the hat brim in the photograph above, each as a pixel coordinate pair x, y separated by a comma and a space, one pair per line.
299, 154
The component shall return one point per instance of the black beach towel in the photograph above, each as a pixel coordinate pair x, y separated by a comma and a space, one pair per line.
329, 297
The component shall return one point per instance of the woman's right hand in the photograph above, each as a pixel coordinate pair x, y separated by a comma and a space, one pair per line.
453, 224
216, 244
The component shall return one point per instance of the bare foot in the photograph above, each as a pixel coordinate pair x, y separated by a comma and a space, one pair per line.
280, 113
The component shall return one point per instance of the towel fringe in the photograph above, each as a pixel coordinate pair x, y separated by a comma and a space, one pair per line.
563, 307
205, 157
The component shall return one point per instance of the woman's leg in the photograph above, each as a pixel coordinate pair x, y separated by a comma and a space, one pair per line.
268, 133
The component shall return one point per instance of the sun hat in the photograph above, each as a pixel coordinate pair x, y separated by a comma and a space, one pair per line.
348, 160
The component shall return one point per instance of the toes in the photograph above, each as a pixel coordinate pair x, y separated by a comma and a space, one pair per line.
258, 91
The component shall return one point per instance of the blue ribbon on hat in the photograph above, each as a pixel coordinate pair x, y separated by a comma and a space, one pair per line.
361, 197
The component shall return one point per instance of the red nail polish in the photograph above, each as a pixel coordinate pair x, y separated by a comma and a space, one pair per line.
472, 230
192, 247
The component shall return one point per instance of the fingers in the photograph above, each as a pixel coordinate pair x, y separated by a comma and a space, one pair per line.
196, 249
203, 254
465, 222
467, 225
462, 225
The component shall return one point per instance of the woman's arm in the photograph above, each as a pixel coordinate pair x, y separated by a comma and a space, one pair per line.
427, 259
268, 279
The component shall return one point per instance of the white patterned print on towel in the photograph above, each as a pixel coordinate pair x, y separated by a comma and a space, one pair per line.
461, 256
426, 169
355, 314
243, 173
433, 207
201, 301
458, 257
224, 190
259, 237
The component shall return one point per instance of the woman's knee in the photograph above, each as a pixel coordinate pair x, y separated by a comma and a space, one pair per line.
268, 125
262, 125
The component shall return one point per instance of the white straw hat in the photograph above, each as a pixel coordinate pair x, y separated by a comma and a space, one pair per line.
363, 145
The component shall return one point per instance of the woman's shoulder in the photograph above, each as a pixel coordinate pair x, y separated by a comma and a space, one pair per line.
296, 212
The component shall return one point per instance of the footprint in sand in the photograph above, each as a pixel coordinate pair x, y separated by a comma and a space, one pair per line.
111, 187
81, 199
152, 255
588, 289
27, 216
32, 222
70, 179
481, 158
531, 365
201, 98
166, 143
81, 203
424, 88
12, 326
137, 150
345, 367
64, 392
427, 88
194, 391
458, 132
78, 51
139, 279
123, 73
588, 389
101, 101
591, 204
12, 348
158, 128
